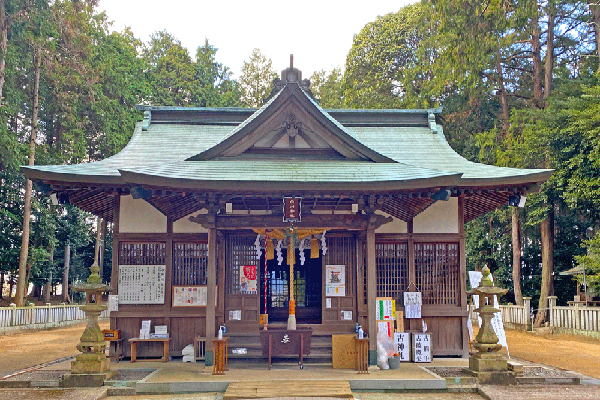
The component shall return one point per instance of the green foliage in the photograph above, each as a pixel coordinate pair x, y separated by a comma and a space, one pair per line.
327, 88
591, 262
177, 80
382, 67
257, 79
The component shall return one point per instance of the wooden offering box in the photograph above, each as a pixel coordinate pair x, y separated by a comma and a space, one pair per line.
277, 342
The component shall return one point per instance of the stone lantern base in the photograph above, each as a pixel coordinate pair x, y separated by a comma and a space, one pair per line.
88, 370
491, 368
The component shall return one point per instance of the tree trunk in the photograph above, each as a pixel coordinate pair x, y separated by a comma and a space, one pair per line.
1, 284
21, 284
547, 285
3, 47
536, 34
65, 280
595, 20
503, 99
48, 285
549, 65
516, 250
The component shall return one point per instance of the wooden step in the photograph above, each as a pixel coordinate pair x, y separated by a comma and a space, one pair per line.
274, 389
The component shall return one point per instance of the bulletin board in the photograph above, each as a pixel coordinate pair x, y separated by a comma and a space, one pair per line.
191, 296
142, 284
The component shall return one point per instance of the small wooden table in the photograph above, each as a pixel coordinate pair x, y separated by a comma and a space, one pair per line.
135, 341
118, 347
220, 356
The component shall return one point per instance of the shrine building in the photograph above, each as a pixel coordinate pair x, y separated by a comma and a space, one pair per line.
196, 199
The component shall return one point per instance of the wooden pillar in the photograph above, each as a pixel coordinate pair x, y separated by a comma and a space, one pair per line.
412, 272
211, 282
371, 295
463, 277
114, 276
102, 245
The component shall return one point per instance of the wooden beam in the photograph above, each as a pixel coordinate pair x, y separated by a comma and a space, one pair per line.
326, 221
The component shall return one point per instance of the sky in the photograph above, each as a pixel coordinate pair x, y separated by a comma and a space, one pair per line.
318, 33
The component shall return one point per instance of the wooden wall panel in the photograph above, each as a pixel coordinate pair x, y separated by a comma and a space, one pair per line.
183, 331
341, 250
446, 335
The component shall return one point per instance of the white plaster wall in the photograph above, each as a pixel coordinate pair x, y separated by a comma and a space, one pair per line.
184, 225
138, 216
440, 217
396, 226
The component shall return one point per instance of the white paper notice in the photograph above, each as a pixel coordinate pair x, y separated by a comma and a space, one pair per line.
335, 280
113, 303
412, 304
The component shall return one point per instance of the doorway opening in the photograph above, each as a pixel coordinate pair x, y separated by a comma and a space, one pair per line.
307, 289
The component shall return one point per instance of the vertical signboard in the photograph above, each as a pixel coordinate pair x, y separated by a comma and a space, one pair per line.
291, 209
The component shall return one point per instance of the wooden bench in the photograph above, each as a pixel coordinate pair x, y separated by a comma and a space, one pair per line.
135, 341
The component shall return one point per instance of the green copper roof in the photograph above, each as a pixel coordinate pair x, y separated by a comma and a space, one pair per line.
397, 146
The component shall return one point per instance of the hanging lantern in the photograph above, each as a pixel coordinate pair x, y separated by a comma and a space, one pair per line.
314, 247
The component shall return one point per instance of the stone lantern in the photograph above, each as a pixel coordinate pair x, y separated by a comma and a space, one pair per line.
487, 364
91, 367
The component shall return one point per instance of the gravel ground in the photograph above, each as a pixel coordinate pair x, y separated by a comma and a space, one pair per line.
541, 372
131, 375
450, 372
39, 375
541, 392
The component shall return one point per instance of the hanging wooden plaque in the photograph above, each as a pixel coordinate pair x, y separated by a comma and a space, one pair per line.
291, 209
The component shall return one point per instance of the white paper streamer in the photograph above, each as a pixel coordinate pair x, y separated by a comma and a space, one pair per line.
278, 249
323, 243
257, 247
301, 249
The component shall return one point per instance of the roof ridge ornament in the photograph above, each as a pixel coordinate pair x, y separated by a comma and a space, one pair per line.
290, 75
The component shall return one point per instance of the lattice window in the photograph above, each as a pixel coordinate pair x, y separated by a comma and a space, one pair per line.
240, 252
139, 253
437, 270
341, 250
392, 269
190, 262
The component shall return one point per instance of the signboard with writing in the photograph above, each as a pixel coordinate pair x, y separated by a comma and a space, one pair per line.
191, 296
385, 308
402, 343
421, 347
142, 284
412, 304
291, 209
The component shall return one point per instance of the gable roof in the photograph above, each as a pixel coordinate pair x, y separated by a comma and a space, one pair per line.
289, 96
245, 149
